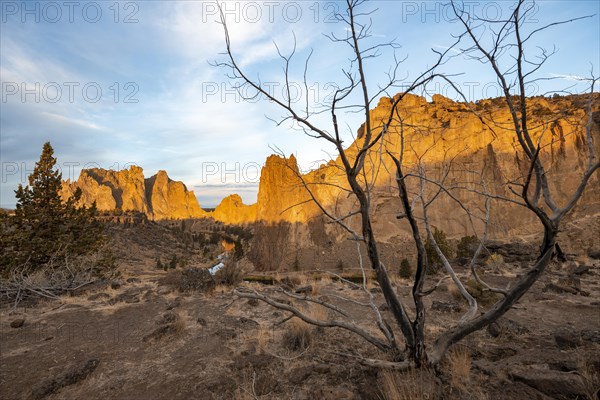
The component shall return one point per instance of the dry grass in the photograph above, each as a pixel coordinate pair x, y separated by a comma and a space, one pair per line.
298, 334
589, 375
180, 323
410, 385
454, 291
262, 338
325, 280
459, 368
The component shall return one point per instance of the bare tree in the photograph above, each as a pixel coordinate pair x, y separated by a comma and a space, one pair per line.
361, 163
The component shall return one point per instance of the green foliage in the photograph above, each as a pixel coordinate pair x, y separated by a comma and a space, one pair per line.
433, 260
405, 269
495, 262
481, 294
44, 227
467, 246
173, 262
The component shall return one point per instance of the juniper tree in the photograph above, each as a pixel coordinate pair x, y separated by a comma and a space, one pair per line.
44, 226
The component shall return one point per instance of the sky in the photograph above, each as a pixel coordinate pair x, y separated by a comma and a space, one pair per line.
118, 83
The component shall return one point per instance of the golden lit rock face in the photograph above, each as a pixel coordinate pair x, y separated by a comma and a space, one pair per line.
475, 141
227, 245
233, 211
170, 199
464, 137
158, 196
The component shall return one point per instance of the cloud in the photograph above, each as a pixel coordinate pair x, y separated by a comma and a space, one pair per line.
73, 121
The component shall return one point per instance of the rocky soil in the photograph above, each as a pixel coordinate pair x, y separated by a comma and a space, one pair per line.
142, 338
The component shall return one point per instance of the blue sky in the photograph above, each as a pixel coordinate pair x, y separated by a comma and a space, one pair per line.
111, 84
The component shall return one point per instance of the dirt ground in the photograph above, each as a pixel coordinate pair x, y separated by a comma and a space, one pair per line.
141, 338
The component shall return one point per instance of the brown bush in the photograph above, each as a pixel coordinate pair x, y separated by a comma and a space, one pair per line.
297, 336
229, 275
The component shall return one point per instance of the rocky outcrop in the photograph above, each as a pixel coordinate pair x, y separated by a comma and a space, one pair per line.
472, 141
233, 211
127, 190
168, 199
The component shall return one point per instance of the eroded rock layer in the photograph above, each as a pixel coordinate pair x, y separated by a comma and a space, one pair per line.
158, 196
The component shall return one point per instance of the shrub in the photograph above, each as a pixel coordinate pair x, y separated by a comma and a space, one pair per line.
495, 262
173, 263
229, 275
433, 260
45, 229
481, 294
194, 279
467, 246
405, 269
297, 336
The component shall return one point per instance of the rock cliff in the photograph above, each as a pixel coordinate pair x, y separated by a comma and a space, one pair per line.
470, 142
158, 196
232, 210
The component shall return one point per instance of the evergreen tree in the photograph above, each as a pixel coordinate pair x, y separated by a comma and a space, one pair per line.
44, 226
173, 262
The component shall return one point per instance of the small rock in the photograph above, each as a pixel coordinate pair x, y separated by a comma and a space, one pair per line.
591, 335
305, 290
17, 323
72, 376
248, 321
132, 299
115, 285
582, 269
445, 306
572, 282
322, 368
299, 375
556, 384
499, 353
494, 329
559, 289
168, 318
506, 326
564, 365
595, 254
159, 333
567, 340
